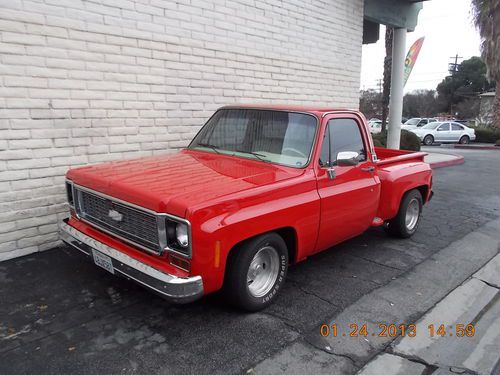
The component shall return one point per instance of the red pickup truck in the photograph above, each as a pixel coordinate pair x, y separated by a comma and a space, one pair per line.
257, 189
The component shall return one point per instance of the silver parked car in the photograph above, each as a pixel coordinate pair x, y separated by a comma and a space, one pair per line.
375, 126
443, 132
417, 122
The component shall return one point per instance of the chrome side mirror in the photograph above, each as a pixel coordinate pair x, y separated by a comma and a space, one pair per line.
347, 158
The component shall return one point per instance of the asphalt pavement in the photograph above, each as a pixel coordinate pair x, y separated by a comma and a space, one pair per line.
61, 314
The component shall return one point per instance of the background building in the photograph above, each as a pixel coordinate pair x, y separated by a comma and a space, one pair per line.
85, 81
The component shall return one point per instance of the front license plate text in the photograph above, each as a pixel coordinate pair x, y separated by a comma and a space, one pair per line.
103, 261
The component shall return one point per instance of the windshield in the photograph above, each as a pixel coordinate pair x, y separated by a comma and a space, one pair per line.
412, 121
271, 136
432, 125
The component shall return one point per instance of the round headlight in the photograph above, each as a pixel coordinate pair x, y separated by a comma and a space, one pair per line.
181, 232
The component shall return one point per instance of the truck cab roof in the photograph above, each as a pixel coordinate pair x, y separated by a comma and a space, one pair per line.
318, 111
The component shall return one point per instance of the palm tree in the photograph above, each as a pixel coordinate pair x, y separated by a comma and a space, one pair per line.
486, 15
389, 32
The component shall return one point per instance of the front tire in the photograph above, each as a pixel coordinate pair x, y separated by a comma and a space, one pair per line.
256, 271
464, 140
405, 224
428, 140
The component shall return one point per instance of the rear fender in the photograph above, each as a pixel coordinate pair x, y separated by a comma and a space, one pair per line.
395, 182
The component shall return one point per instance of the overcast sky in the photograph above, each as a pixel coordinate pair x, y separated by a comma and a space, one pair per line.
448, 30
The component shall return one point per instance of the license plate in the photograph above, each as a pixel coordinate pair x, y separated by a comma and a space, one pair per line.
103, 261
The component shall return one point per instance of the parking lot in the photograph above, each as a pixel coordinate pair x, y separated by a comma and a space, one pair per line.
67, 316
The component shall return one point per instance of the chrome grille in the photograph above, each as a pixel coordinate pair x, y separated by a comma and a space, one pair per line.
134, 225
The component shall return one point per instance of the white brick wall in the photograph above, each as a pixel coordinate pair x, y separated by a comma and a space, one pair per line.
86, 81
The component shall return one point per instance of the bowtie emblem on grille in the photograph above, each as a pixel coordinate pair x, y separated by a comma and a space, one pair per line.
115, 215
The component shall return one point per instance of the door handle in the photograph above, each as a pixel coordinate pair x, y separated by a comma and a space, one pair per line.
368, 169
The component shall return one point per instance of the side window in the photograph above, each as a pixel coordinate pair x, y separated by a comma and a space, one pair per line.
444, 128
341, 135
456, 127
422, 123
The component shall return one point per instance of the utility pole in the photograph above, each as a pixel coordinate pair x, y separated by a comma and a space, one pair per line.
453, 67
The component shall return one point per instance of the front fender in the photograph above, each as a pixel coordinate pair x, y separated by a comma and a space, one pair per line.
217, 229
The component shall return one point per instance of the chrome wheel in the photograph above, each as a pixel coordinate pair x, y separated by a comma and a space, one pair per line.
412, 214
263, 271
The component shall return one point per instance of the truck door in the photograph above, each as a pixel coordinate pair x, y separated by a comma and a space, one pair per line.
349, 200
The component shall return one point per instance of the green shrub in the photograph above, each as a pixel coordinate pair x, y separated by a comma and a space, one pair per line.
497, 143
486, 135
409, 141
380, 139
377, 142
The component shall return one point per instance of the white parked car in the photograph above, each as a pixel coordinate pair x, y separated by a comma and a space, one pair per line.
443, 132
417, 122
375, 126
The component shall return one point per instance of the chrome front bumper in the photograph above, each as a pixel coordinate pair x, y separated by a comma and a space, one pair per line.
175, 289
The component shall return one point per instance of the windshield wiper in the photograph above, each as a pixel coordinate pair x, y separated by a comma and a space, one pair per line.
208, 145
256, 154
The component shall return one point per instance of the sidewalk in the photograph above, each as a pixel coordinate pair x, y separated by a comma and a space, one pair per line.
451, 287
439, 160
473, 306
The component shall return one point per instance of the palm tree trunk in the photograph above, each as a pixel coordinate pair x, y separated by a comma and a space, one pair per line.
486, 15
496, 107
387, 75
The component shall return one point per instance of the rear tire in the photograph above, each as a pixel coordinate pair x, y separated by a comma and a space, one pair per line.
405, 224
464, 140
256, 271
428, 140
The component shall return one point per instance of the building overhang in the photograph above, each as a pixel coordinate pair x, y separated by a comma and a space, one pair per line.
393, 13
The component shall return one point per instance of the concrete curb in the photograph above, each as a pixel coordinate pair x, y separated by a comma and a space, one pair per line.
470, 147
446, 163
476, 300
473, 301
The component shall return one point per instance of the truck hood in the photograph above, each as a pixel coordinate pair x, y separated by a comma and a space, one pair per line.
170, 183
